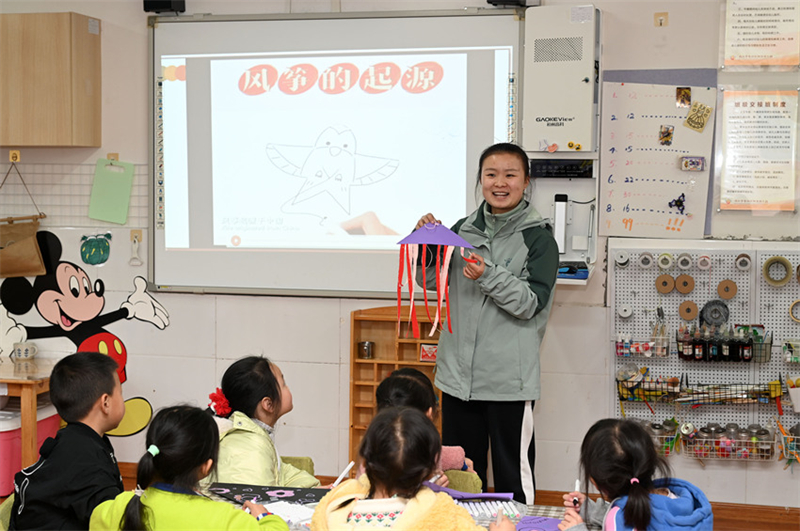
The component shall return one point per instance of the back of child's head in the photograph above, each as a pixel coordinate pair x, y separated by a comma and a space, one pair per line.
400, 450
407, 387
78, 381
247, 382
180, 440
621, 458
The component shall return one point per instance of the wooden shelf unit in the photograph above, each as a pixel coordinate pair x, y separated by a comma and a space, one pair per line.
391, 352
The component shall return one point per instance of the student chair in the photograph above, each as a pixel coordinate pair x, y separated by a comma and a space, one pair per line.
5, 513
306, 464
464, 481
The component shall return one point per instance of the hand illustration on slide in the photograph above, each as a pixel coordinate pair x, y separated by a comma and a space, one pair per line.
368, 224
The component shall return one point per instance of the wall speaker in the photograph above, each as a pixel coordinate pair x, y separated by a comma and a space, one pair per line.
165, 6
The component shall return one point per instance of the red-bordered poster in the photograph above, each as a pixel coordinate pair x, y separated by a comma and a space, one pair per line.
759, 131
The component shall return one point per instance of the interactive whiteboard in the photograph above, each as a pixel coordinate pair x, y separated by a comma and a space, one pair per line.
291, 155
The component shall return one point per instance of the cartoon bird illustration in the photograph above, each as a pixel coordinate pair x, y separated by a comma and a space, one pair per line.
332, 165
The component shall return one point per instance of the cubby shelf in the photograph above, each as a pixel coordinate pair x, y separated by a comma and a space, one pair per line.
392, 350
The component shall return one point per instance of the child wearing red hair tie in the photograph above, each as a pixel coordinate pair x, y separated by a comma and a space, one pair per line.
253, 397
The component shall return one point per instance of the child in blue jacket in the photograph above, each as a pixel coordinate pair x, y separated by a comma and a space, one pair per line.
620, 459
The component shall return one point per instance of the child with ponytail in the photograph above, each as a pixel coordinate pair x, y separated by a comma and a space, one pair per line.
620, 459
253, 397
182, 444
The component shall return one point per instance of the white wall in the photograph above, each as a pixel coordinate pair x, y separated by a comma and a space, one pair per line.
308, 337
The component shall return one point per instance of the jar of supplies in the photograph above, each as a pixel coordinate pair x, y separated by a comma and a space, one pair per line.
764, 444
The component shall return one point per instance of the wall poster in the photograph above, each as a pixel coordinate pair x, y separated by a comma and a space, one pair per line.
762, 33
759, 138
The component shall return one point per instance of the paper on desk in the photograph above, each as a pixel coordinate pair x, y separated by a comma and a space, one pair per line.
538, 523
293, 513
111, 191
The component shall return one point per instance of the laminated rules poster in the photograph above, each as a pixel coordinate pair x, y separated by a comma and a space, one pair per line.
759, 138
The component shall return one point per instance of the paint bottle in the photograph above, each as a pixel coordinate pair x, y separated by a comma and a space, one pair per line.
725, 346
680, 343
697, 346
746, 345
713, 345
619, 344
626, 346
735, 347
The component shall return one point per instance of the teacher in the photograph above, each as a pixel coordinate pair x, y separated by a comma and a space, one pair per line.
488, 367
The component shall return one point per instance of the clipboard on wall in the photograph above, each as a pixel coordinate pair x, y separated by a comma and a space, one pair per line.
111, 191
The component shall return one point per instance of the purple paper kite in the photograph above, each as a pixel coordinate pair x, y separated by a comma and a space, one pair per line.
429, 234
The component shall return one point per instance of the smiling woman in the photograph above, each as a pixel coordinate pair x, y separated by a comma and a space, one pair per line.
499, 308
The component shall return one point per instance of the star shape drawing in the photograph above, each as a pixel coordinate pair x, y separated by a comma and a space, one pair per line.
331, 166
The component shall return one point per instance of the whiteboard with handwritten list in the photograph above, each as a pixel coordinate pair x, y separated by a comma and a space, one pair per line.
654, 164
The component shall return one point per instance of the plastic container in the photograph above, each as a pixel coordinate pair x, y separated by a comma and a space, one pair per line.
48, 422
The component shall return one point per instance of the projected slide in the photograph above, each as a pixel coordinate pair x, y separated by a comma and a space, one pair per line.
334, 151
291, 155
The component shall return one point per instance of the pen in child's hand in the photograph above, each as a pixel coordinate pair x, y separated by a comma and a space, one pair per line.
499, 519
343, 474
575, 501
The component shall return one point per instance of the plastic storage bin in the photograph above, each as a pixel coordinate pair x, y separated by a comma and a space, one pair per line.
48, 422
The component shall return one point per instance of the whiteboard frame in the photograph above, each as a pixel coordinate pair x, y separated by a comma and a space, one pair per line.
153, 22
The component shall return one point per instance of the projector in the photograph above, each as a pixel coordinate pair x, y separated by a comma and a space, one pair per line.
514, 3
165, 6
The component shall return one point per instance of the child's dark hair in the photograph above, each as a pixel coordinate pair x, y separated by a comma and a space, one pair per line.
78, 381
400, 450
249, 380
179, 441
621, 458
507, 148
407, 387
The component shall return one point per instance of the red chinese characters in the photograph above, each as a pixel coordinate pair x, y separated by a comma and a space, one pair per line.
298, 79
423, 77
379, 78
258, 79
338, 78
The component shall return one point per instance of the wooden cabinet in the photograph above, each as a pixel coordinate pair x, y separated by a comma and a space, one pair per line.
50, 86
391, 351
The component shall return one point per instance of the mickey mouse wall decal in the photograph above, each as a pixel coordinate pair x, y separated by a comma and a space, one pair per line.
66, 298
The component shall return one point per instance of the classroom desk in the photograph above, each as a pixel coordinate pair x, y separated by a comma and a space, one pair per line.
27, 380
530, 510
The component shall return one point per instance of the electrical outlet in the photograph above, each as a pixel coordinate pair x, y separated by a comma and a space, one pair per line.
661, 20
136, 234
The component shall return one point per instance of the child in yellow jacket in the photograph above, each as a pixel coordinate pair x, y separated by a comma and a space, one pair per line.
400, 450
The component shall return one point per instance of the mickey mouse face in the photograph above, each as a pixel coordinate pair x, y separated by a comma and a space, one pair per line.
74, 301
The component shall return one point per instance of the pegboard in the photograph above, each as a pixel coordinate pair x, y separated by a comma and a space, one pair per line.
632, 289
62, 191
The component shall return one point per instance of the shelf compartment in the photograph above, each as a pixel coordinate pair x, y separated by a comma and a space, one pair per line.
363, 394
363, 373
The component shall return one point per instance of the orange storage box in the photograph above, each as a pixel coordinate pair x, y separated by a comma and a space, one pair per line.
48, 423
